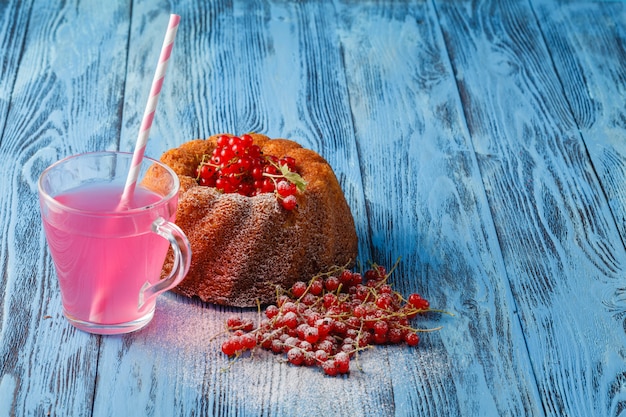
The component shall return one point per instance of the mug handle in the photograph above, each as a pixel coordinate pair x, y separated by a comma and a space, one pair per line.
182, 260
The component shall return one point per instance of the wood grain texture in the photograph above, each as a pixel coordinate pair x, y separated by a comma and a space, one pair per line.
11, 44
434, 213
589, 60
481, 141
563, 254
13, 16
64, 100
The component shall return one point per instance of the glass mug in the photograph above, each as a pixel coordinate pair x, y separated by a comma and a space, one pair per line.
109, 260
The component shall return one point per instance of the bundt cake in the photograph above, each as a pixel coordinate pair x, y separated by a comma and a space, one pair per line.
247, 239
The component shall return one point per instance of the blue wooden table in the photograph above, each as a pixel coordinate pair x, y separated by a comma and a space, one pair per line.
484, 143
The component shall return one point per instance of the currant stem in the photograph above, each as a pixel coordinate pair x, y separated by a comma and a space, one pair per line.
313, 327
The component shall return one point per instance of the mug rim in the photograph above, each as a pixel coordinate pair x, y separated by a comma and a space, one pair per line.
50, 200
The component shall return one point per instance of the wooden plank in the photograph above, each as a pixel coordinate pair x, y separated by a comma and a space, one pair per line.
426, 203
562, 250
13, 17
274, 68
65, 99
587, 45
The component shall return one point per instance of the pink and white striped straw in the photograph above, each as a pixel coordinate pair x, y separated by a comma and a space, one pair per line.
148, 115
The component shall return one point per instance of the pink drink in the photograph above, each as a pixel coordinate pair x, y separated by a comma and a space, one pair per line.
108, 255
102, 263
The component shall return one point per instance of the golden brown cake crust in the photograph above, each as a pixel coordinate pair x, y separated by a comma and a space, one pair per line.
243, 247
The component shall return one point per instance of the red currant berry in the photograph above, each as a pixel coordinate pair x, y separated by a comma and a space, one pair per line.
298, 289
311, 334
309, 299
301, 329
256, 173
277, 346
285, 188
316, 287
267, 186
237, 149
329, 299
395, 336
289, 202
352, 323
295, 356
411, 339
385, 289
254, 151
359, 311
289, 162
266, 341
243, 164
321, 355
324, 326
290, 319
271, 170
248, 341
340, 327
329, 367
233, 322
271, 311
356, 279
418, 302
342, 362
305, 346
226, 154
346, 277
232, 345
380, 339
289, 306
247, 325
331, 283
309, 359
312, 317
222, 141
207, 182
245, 189
327, 346
384, 301
381, 327
247, 140
233, 140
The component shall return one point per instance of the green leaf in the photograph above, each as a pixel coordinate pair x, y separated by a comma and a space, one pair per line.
293, 177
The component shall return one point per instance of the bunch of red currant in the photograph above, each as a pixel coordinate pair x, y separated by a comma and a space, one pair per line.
326, 321
237, 165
